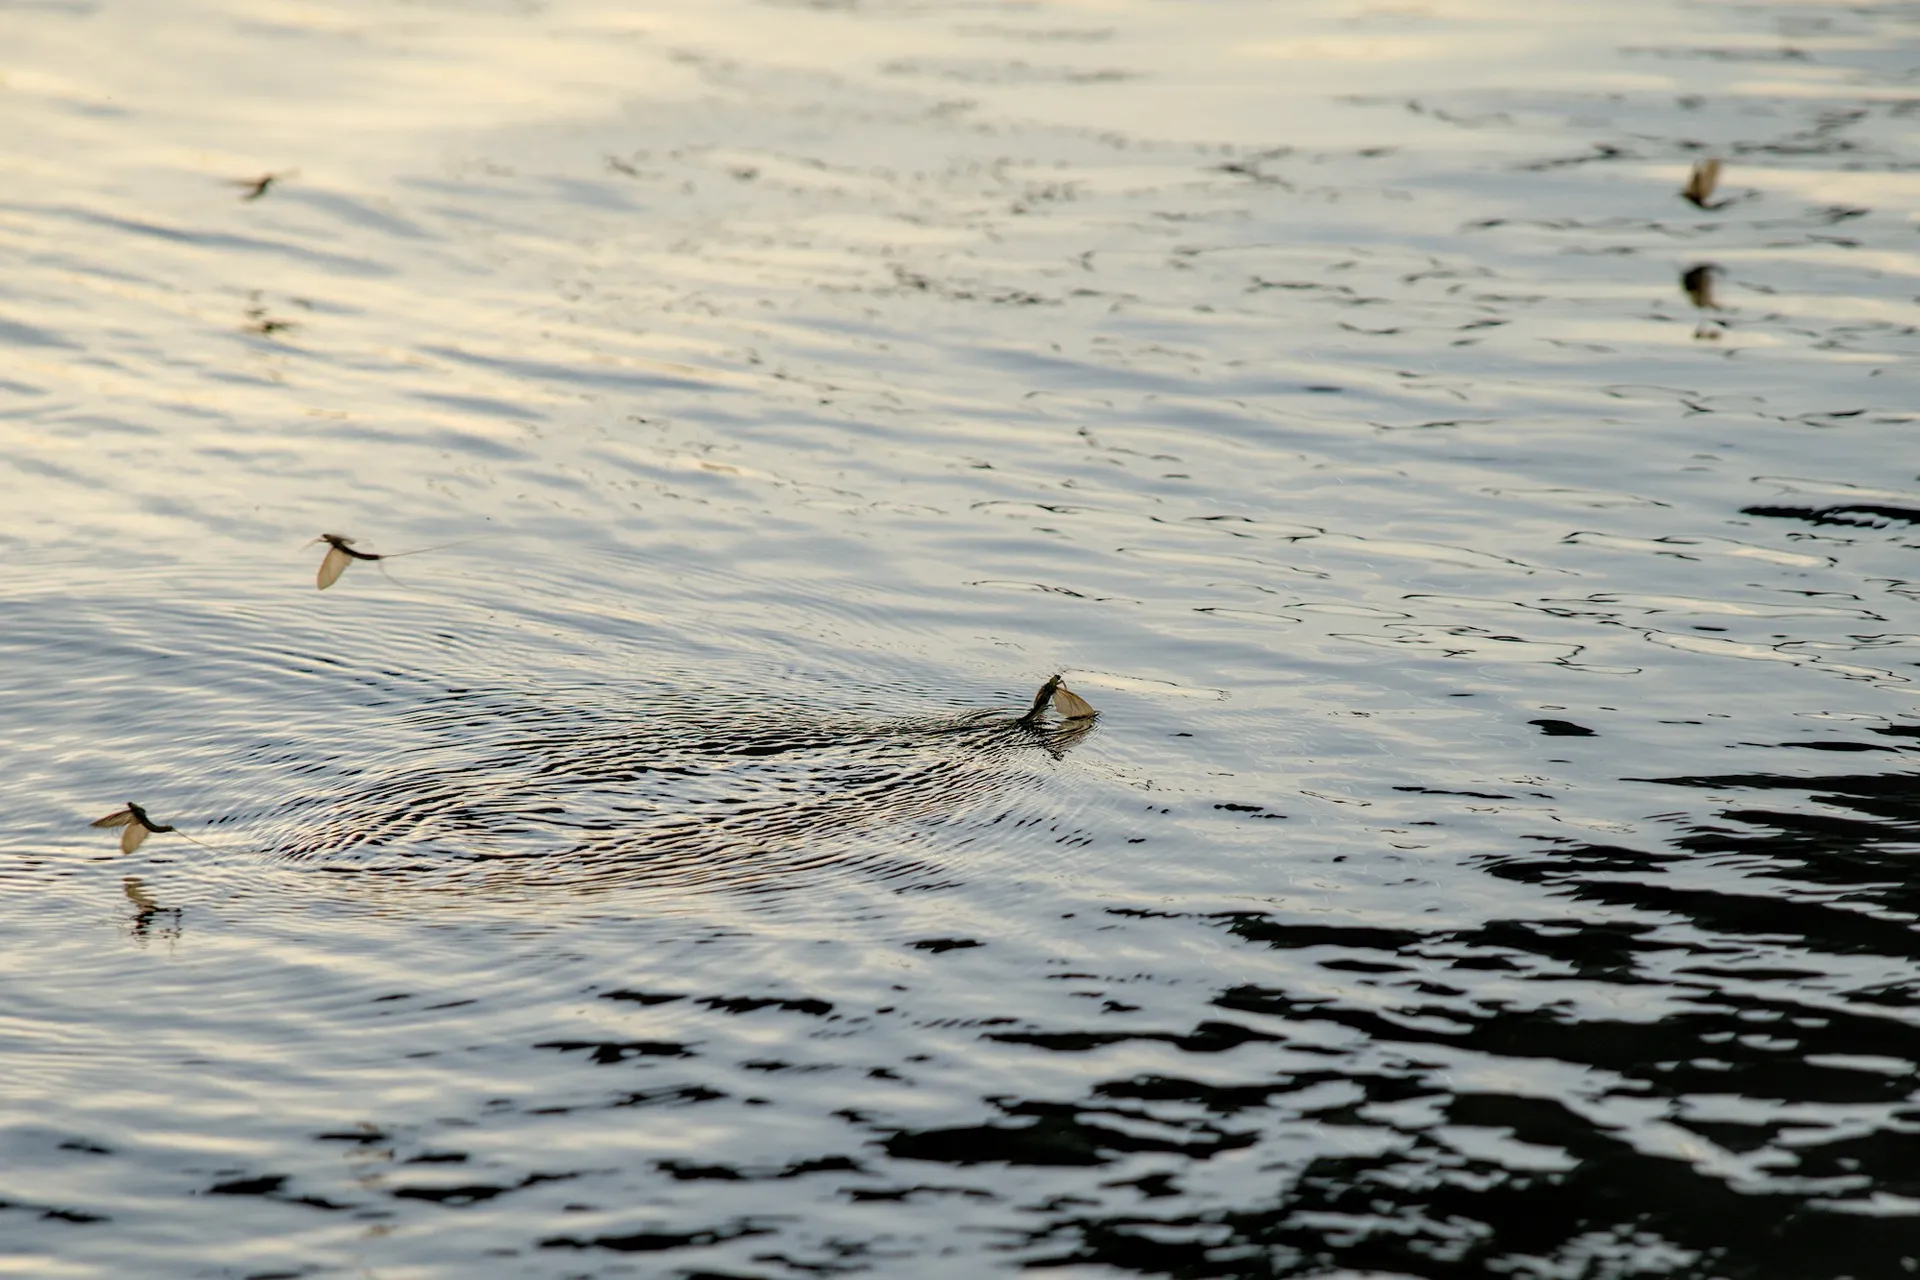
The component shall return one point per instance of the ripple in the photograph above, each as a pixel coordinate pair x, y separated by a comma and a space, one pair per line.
669, 881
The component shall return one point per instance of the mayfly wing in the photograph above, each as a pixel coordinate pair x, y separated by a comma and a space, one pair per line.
133, 837
1071, 705
1702, 181
119, 819
332, 567
1709, 178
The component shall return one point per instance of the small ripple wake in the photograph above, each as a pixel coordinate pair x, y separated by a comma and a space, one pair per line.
409, 761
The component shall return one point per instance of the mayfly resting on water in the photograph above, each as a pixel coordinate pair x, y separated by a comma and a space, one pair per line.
1069, 704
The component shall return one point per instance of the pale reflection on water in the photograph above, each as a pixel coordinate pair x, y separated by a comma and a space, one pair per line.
1494, 854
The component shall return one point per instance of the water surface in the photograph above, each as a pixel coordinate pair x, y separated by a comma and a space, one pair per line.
1494, 853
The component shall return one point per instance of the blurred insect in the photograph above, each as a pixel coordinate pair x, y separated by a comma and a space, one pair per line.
340, 554
1697, 283
254, 188
1701, 184
136, 826
1069, 704
258, 321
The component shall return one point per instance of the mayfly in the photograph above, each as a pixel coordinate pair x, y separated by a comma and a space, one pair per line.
254, 188
340, 554
1069, 704
137, 824
1702, 183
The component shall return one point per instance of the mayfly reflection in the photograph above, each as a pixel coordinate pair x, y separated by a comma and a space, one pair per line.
1697, 283
147, 910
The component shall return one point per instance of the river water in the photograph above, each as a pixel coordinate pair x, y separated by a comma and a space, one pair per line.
1494, 855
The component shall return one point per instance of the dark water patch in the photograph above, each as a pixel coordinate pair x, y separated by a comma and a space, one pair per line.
1256, 927
1867, 515
1562, 729
748, 1004
656, 1241
1616, 1213
471, 1193
681, 1171
611, 1053
1057, 1136
642, 997
273, 1187
265, 1185
1207, 1037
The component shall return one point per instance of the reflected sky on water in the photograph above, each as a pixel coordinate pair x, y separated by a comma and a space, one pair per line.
1493, 573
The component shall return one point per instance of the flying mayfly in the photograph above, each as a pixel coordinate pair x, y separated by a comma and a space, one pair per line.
1701, 184
254, 188
340, 554
136, 824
